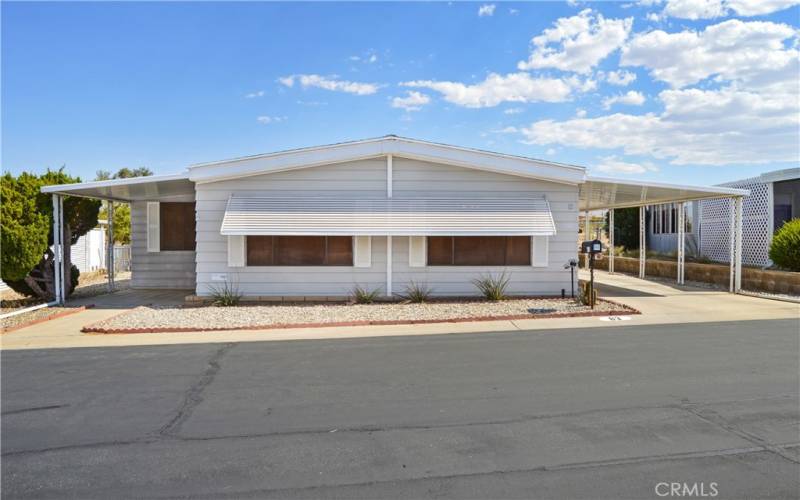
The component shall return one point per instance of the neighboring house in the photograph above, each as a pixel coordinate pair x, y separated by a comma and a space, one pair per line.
89, 252
379, 213
662, 228
774, 199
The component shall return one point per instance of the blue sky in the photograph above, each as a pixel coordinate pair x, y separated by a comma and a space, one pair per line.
674, 91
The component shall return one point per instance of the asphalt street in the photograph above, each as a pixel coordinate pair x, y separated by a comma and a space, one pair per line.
584, 413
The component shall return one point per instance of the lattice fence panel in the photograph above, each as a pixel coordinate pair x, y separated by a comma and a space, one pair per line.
715, 225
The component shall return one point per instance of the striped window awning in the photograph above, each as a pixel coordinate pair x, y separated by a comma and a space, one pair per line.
248, 215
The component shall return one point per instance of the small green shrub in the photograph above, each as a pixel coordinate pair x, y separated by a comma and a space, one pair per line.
226, 294
364, 296
493, 287
785, 248
416, 293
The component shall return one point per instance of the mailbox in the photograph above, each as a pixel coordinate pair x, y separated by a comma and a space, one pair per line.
592, 247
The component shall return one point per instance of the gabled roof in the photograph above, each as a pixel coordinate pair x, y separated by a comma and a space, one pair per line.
382, 146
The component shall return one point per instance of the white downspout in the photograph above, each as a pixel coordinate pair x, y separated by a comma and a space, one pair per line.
57, 259
389, 182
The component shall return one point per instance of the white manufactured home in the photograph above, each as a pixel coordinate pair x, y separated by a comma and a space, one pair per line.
379, 213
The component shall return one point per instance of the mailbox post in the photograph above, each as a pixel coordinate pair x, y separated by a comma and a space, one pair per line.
591, 248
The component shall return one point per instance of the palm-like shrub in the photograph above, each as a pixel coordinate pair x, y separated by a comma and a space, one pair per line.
493, 287
362, 295
226, 294
416, 293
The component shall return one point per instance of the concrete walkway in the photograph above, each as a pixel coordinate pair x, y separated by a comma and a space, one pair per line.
659, 303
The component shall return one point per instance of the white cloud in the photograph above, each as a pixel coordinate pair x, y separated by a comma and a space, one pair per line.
751, 53
253, 95
759, 7
653, 17
577, 43
496, 89
612, 164
372, 58
330, 83
513, 111
714, 127
580, 113
355, 58
550, 151
709, 9
412, 102
620, 77
694, 9
266, 120
506, 130
513, 11
486, 10
630, 98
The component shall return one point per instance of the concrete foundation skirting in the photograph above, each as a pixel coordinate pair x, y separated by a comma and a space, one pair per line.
719, 274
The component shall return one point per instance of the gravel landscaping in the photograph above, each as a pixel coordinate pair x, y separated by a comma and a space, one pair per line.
253, 316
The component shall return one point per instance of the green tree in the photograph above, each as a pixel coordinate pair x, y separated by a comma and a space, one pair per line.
122, 211
626, 227
26, 222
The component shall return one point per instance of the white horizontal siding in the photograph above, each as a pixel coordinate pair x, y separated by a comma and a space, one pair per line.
367, 178
171, 269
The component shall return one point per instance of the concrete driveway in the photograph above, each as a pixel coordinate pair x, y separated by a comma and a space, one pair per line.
571, 413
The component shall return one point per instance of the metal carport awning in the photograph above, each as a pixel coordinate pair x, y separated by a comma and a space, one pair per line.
249, 215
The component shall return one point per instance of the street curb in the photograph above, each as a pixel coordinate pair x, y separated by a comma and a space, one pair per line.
624, 310
46, 318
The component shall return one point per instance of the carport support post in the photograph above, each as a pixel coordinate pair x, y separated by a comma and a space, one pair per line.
642, 242
611, 240
732, 241
110, 246
681, 242
58, 260
738, 269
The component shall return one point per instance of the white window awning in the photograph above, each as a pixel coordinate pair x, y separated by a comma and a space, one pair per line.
248, 215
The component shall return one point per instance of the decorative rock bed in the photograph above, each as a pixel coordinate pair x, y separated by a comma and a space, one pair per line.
257, 317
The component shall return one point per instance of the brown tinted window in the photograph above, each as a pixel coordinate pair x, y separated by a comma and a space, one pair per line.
440, 250
259, 250
479, 251
177, 224
518, 251
339, 251
299, 251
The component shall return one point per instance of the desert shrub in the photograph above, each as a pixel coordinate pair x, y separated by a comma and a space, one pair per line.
416, 292
493, 287
362, 295
226, 294
785, 248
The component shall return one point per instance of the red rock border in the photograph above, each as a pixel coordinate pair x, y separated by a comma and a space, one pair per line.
46, 318
624, 310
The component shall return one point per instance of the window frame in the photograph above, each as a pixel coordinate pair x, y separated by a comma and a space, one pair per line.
505, 251
190, 226
273, 253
